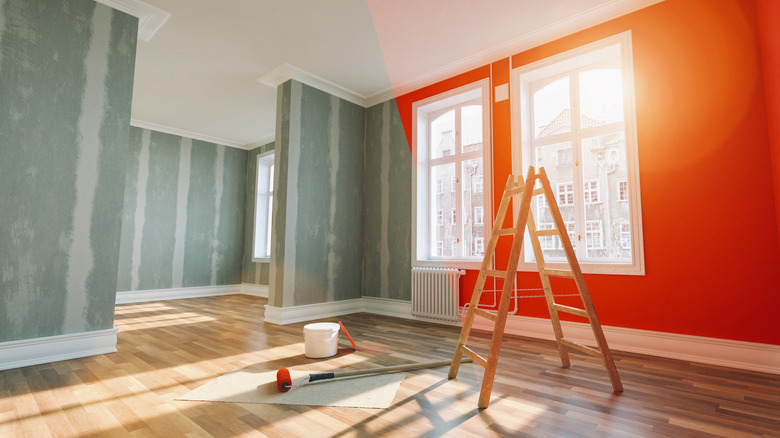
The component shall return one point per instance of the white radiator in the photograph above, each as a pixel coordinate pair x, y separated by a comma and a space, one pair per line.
435, 293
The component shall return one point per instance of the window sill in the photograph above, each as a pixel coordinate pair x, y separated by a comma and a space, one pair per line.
261, 260
449, 263
588, 268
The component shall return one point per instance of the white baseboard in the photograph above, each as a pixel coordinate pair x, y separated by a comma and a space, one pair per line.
723, 352
140, 296
257, 290
309, 312
26, 352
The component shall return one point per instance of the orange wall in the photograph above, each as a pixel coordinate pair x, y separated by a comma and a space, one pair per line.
769, 36
710, 232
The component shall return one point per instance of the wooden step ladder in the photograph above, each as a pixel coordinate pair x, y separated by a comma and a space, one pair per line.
525, 192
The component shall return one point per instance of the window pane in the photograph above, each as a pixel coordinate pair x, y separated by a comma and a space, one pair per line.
562, 183
442, 202
601, 96
603, 170
443, 135
473, 196
552, 108
471, 127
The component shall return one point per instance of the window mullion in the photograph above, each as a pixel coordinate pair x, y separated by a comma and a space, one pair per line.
576, 143
459, 186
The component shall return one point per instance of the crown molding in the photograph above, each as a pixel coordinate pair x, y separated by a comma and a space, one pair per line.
584, 20
285, 72
185, 133
150, 18
264, 140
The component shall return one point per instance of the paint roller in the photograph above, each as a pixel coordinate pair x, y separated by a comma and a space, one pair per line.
284, 382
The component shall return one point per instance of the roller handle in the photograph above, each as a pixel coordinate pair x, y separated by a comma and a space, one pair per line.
392, 369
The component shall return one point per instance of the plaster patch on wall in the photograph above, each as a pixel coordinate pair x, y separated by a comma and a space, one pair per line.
182, 196
384, 257
2, 30
220, 188
80, 256
140, 208
291, 206
334, 171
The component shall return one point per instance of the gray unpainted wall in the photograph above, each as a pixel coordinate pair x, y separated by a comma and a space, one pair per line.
66, 80
184, 209
318, 202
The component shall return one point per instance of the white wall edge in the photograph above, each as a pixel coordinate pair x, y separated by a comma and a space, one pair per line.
27, 352
736, 354
257, 290
140, 296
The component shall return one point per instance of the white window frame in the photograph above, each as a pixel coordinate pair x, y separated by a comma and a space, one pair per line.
479, 215
522, 134
264, 192
420, 176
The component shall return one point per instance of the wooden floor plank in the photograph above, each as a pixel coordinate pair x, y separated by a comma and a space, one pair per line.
169, 348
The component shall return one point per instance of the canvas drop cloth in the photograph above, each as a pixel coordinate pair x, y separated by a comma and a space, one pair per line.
370, 391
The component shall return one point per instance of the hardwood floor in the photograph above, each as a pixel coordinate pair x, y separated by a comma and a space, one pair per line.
168, 348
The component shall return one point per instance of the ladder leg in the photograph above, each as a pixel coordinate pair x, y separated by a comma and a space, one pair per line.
548, 293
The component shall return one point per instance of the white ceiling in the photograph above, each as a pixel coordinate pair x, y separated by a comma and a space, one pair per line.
198, 73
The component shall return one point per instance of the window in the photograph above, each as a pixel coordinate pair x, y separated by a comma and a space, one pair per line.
451, 136
564, 157
593, 237
547, 242
573, 114
479, 245
592, 191
440, 217
440, 248
264, 207
625, 235
479, 215
565, 194
623, 190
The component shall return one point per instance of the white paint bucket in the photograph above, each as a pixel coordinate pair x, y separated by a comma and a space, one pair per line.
321, 339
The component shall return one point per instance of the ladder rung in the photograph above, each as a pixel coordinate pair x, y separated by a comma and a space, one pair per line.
552, 232
539, 191
475, 357
573, 310
513, 192
505, 231
558, 273
484, 313
580, 347
497, 274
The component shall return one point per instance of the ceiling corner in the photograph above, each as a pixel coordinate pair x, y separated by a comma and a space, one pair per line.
150, 18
